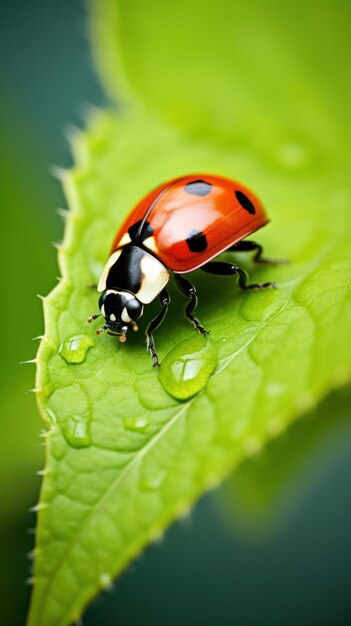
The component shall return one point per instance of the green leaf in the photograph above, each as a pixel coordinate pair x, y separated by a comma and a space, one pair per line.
260, 93
270, 75
124, 458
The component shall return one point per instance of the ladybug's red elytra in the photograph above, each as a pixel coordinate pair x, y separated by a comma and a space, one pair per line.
178, 227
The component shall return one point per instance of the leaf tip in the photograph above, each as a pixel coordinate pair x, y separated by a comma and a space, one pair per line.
32, 554
44, 434
67, 216
38, 507
72, 133
106, 581
58, 245
252, 446
42, 472
60, 173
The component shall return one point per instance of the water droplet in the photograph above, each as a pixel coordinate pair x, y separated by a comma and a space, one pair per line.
293, 155
74, 349
105, 581
151, 481
77, 431
136, 424
187, 367
272, 390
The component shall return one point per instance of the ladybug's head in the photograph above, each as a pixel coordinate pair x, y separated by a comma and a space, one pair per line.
120, 309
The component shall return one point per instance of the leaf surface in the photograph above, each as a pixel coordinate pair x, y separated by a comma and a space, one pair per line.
124, 458
253, 92
269, 75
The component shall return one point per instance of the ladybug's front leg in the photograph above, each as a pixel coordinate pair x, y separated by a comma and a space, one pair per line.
155, 323
248, 246
188, 290
227, 269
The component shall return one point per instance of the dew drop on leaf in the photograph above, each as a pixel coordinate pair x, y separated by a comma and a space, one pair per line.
187, 367
136, 424
77, 431
151, 480
74, 349
106, 581
293, 155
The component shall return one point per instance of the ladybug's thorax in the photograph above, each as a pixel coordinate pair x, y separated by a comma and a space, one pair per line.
133, 270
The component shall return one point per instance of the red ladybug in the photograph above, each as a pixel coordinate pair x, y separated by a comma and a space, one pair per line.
178, 227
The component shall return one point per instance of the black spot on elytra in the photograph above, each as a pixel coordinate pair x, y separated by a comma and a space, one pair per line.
198, 188
140, 231
245, 202
196, 241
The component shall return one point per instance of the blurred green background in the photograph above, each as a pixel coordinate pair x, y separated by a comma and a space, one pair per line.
264, 549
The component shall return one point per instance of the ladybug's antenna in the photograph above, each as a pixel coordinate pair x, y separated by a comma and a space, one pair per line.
149, 209
93, 317
101, 330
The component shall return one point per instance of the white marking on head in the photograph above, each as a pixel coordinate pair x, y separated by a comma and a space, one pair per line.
126, 294
155, 278
111, 261
125, 317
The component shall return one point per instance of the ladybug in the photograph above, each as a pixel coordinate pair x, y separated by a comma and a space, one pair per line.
178, 227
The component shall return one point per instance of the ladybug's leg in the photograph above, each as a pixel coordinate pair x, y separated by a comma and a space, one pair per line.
188, 290
248, 246
155, 323
227, 269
